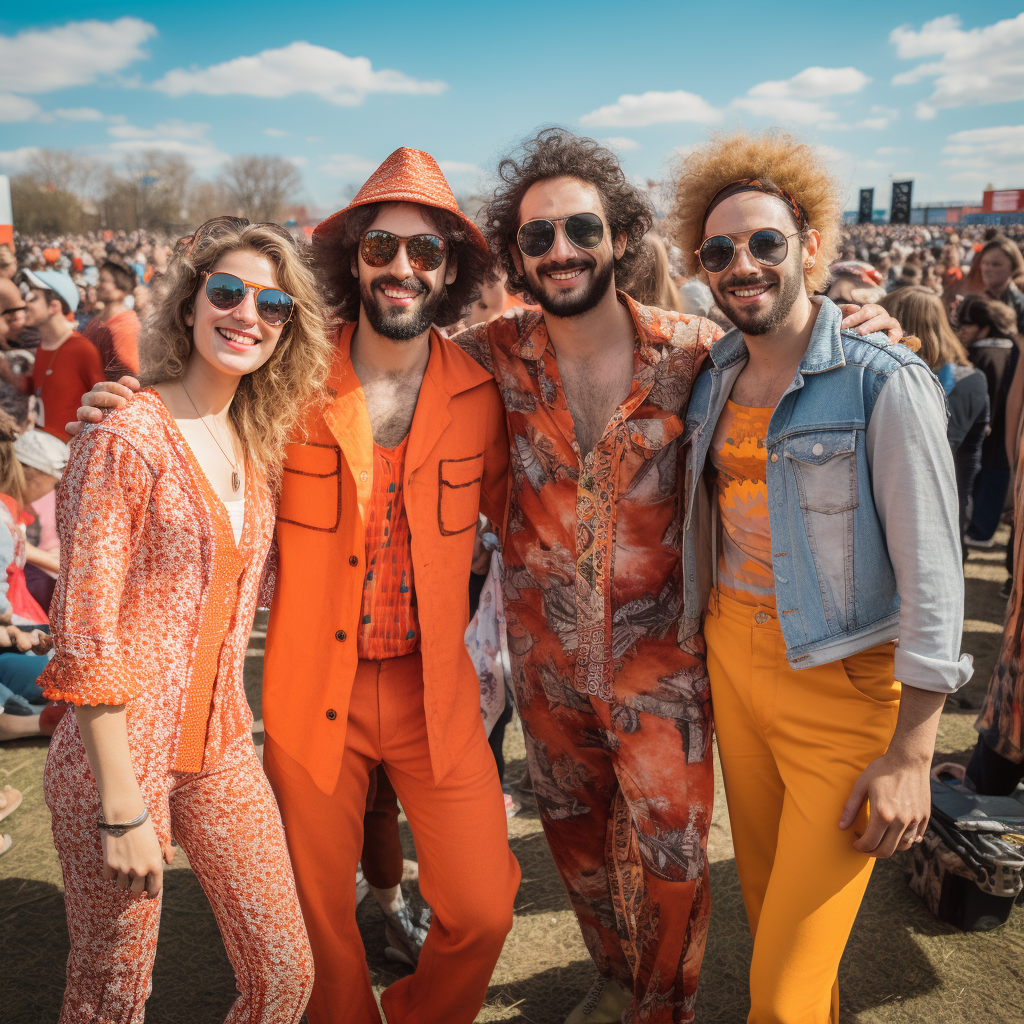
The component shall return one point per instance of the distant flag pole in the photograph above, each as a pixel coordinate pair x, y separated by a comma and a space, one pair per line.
6, 215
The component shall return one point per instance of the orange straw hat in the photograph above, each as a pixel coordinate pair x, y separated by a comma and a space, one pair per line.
407, 176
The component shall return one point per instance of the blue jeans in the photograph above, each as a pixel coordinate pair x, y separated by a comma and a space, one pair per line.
18, 688
990, 487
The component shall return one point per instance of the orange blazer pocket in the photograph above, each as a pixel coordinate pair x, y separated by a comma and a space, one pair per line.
458, 498
311, 487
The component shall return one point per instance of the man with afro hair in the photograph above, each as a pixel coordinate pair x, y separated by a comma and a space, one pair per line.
821, 525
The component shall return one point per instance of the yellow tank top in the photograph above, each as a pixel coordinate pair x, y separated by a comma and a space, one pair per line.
739, 456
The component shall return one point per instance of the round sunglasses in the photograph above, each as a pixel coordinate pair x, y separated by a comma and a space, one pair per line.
226, 291
768, 246
584, 230
379, 248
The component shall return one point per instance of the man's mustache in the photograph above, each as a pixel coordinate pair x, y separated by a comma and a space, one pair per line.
561, 268
410, 284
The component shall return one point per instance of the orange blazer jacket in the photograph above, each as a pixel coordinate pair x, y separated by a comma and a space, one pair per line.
456, 467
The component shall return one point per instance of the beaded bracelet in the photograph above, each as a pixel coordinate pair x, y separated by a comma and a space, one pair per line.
119, 830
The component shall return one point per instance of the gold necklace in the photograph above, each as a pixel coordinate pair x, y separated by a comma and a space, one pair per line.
235, 480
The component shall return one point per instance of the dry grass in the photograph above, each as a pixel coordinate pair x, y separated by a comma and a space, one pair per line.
901, 966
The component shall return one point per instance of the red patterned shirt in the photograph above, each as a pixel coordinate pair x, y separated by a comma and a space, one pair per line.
388, 626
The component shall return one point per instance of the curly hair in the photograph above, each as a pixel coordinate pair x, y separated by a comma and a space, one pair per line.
780, 162
333, 255
558, 153
269, 401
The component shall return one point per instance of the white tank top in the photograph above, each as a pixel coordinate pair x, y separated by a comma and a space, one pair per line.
236, 515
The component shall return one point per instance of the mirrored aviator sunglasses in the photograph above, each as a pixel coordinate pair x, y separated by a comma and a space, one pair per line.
226, 291
584, 230
768, 246
379, 248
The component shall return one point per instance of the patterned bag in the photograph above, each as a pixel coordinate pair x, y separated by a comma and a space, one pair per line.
487, 642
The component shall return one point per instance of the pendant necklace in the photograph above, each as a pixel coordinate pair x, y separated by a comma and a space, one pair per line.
235, 480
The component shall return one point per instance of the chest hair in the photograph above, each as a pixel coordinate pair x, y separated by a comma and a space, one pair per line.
391, 403
594, 389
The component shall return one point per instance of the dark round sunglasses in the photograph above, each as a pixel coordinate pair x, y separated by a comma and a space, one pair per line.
768, 246
584, 230
226, 291
379, 248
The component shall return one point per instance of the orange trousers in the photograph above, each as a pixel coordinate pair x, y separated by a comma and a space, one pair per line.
793, 744
468, 874
226, 820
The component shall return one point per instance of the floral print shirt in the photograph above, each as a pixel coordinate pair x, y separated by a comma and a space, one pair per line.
592, 543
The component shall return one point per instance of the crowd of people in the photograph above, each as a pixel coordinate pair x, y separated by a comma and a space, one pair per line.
729, 460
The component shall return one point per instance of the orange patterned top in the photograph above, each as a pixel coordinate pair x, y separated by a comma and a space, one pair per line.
593, 573
739, 455
388, 622
155, 601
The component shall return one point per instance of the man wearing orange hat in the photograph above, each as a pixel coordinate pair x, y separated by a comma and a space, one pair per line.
365, 661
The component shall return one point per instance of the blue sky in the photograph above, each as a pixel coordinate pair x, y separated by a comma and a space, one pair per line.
884, 89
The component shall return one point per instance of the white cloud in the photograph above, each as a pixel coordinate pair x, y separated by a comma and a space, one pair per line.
652, 108
17, 108
42, 60
803, 98
974, 67
17, 159
314, 138
987, 154
169, 129
299, 67
297, 161
180, 138
347, 165
620, 143
892, 150
275, 133
78, 114
458, 167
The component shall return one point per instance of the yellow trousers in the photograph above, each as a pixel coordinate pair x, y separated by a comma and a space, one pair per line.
792, 745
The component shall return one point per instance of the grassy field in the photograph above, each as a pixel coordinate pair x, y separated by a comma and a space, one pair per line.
901, 965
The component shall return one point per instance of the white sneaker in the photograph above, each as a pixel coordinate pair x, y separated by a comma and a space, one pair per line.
971, 542
603, 1004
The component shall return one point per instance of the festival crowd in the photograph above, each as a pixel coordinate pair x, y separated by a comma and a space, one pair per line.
648, 483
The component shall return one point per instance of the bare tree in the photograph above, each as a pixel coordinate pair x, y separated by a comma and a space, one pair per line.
261, 185
209, 199
151, 193
64, 170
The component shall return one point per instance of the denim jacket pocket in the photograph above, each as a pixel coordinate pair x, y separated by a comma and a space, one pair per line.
824, 466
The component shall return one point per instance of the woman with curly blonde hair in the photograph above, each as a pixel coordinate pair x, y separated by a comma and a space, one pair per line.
166, 513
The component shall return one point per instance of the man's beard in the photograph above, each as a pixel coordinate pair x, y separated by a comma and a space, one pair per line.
399, 324
571, 303
759, 322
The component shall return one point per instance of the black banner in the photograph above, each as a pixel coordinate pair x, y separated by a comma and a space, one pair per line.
899, 211
867, 205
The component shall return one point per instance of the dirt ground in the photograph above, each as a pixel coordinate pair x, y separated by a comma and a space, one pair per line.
901, 965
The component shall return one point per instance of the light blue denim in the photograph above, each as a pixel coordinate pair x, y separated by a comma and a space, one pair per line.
833, 557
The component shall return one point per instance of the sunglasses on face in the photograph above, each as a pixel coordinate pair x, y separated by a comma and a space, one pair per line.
226, 291
768, 246
584, 230
379, 248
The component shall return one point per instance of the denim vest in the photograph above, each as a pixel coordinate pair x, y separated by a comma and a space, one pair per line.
835, 588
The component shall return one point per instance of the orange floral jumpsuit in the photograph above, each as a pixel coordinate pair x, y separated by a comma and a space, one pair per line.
153, 609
